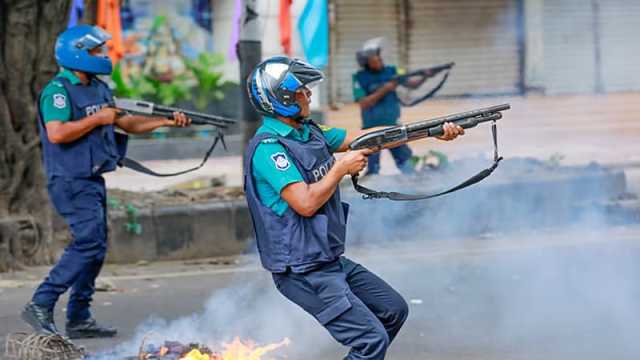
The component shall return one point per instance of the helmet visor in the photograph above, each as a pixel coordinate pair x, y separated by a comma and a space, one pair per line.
312, 84
92, 40
307, 74
275, 70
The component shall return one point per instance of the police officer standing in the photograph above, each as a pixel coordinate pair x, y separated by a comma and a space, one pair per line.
79, 142
374, 90
291, 183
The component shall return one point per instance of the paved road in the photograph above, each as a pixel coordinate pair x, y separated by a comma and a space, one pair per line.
569, 294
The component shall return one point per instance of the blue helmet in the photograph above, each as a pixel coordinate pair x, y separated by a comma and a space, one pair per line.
72, 50
273, 83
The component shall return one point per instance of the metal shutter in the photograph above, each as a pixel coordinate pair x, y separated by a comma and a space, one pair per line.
569, 47
480, 36
355, 22
619, 25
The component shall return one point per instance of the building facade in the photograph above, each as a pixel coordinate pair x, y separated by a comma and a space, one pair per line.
499, 46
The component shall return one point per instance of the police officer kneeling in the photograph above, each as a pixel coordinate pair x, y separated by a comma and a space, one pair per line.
291, 184
79, 142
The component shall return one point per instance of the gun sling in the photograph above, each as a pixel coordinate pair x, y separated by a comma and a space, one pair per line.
396, 196
126, 106
428, 95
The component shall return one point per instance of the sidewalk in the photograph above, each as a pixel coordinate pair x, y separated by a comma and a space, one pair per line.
580, 129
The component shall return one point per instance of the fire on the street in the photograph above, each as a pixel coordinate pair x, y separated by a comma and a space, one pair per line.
235, 350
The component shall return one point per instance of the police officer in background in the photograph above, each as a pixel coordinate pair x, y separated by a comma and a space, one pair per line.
291, 184
374, 90
79, 143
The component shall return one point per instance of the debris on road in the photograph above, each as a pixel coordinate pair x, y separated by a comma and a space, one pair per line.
23, 346
235, 350
200, 183
203, 191
103, 285
212, 262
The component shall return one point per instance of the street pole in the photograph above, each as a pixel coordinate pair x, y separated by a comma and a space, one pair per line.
249, 55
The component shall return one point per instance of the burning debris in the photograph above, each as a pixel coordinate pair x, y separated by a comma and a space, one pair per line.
235, 350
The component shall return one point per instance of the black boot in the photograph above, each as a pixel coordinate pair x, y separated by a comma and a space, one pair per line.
40, 319
88, 329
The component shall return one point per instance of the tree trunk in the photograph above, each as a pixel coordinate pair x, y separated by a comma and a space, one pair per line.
90, 12
249, 50
28, 29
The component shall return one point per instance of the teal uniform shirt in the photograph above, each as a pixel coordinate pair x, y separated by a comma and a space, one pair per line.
358, 91
386, 111
54, 102
271, 165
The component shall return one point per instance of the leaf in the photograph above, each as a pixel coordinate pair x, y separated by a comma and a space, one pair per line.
122, 89
209, 80
158, 21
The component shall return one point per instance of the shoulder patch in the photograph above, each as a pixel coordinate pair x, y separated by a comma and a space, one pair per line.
269, 141
281, 161
325, 128
59, 101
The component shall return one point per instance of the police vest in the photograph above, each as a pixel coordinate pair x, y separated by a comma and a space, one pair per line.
291, 241
95, 153
387, 110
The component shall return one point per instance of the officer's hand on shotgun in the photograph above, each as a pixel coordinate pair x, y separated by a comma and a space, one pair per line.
354, 161
107, 115
451, 131
390, 85
180, 119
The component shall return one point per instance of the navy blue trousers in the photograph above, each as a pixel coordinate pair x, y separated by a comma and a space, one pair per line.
82, 204
401, 155
358, 308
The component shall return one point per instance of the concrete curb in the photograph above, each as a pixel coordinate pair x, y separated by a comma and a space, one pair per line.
181, 232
